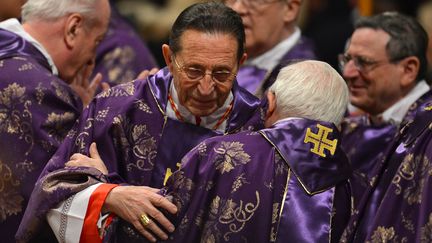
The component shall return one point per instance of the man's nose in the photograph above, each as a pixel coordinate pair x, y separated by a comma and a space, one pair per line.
206, 85
239, 6
350, 70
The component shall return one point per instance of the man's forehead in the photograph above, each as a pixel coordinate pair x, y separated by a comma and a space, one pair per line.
199, 41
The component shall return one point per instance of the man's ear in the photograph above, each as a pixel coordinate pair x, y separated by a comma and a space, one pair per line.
410, 69
243, 59
73, 28
292, 11
271, 98
167, 54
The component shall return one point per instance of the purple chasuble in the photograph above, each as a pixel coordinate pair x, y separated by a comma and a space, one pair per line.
37, 109
257, 81
139, 144
366, 144
398, 205
262, 186
122, 54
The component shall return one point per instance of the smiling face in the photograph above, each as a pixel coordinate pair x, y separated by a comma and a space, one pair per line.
379, 86
211, 53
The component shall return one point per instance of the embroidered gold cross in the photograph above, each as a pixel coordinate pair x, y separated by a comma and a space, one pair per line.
168, 173
321, 141
428, 108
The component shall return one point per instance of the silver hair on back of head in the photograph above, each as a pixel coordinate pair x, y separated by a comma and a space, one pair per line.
54, 9
311, 89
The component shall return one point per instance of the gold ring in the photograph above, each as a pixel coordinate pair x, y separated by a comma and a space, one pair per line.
145, 220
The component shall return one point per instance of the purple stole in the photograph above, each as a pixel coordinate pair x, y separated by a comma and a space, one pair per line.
122, 54
137, 142
37, 109
397, 206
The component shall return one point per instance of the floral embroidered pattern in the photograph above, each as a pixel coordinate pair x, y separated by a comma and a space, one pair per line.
426, 231
10, 114
144, 147
414, 172
10, 199
126, 89
230, 154
118, 63
56, 124
239, 182
382, 234
141, 105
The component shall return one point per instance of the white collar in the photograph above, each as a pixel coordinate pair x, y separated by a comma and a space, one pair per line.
397, 111
269, 59
287, 119
207, 121
14, 26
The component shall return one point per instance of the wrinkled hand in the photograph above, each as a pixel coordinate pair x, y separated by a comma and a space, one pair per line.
94, 160
129, 202
144, 74
86, 90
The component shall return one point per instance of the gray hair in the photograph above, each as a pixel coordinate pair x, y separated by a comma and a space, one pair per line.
407, 37
311, 89
54, 9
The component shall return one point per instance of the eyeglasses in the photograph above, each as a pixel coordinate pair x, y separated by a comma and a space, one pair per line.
362, 64
251, 3
196, 74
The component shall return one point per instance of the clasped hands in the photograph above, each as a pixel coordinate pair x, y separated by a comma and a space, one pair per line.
137, 205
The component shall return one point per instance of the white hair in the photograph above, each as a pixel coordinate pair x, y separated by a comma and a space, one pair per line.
310, 89
54, 9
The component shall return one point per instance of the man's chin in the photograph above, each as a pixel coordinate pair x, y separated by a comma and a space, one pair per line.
202, 111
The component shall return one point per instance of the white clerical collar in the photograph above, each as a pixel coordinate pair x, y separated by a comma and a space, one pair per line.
208, 121
14, 26
397, 112
286, 119
272, 57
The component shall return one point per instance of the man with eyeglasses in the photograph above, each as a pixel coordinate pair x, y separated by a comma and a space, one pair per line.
278, 184
143, 129
389, 147
272, 40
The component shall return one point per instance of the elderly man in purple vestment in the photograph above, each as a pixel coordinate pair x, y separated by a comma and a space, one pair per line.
38, 59
122, 55
285, 183
143, 129
385, 75
272, 40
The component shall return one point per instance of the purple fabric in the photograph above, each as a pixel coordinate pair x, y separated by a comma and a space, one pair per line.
366, 144
250, 77
122, 55
398, 205
302, 50
134, 139
37, 109
234, 188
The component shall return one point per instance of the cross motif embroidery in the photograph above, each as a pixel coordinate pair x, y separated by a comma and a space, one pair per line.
321, 141
428, 108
